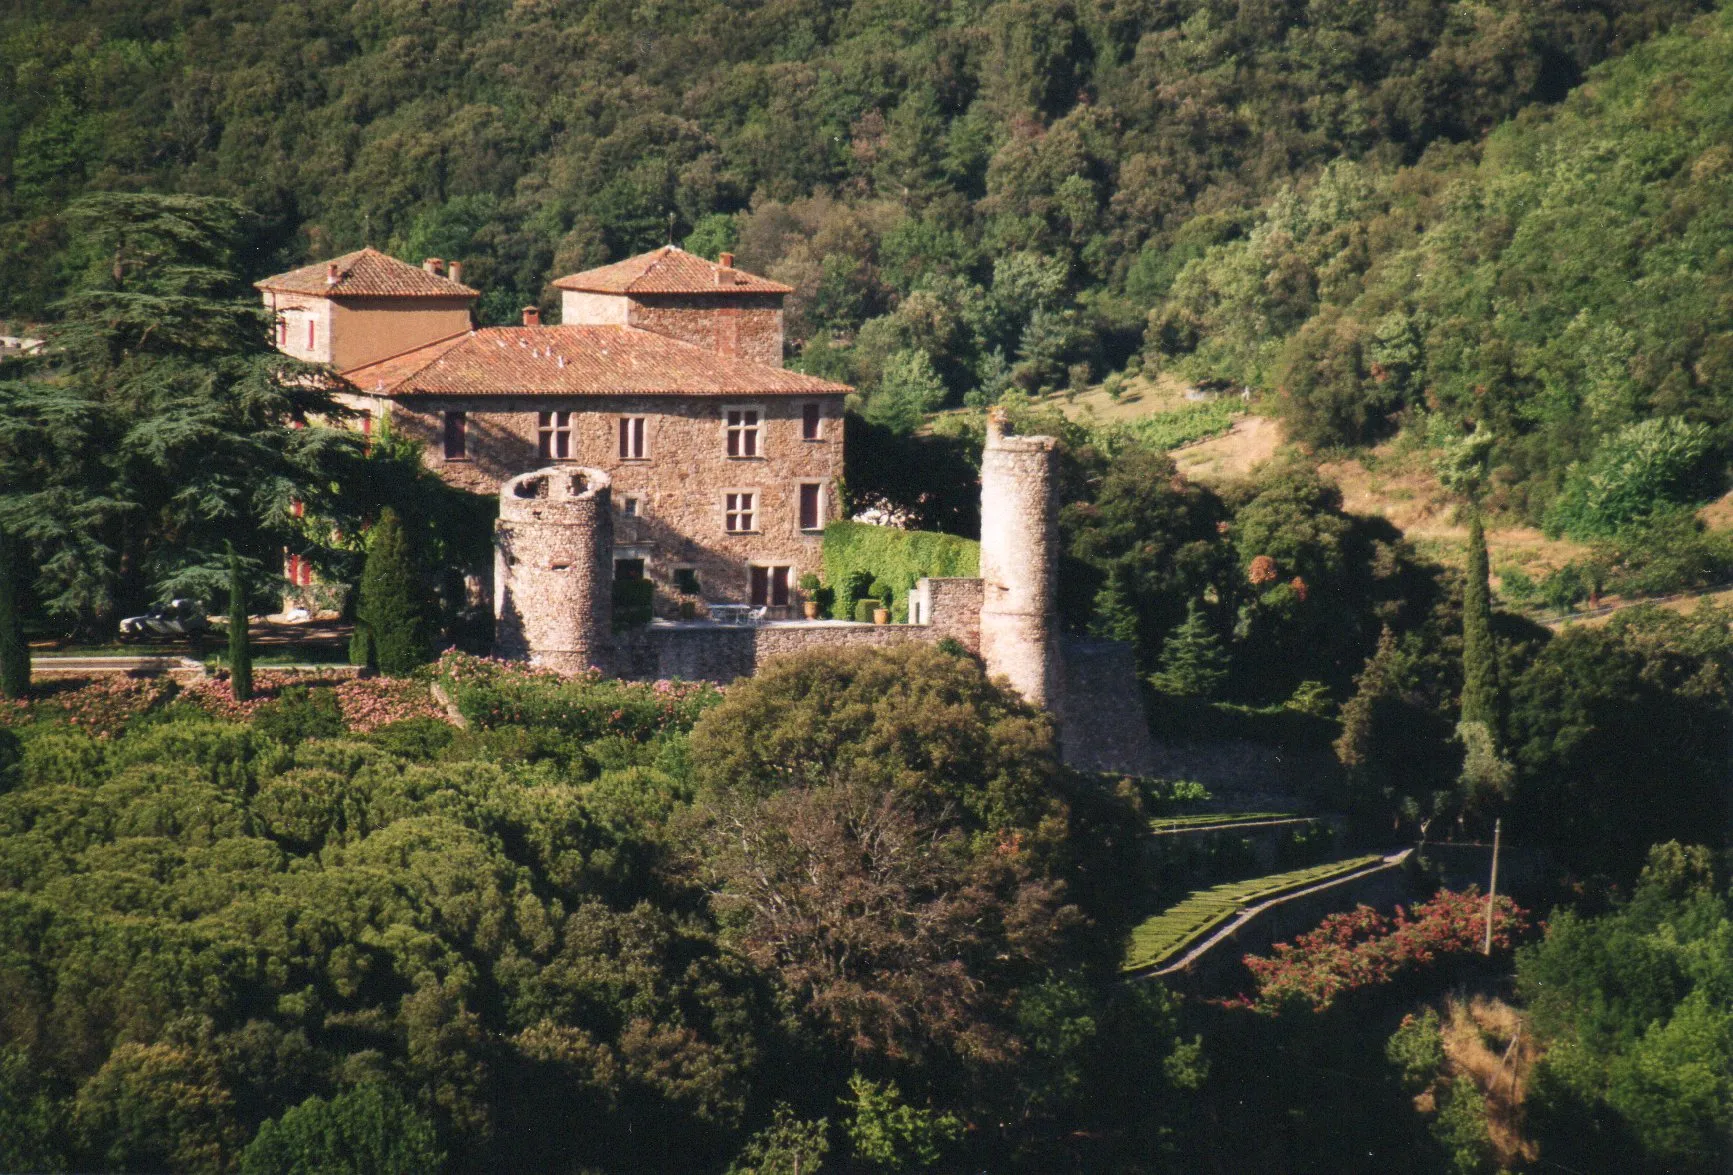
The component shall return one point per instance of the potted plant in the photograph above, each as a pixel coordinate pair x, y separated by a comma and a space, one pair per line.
809, 586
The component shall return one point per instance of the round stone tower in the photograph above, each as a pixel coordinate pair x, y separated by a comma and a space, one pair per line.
1020, 562
553, 569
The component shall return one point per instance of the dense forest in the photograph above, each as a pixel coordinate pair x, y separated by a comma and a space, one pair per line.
850, 915
971, 196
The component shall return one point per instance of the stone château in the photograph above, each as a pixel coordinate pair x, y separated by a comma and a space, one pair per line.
654, 433
666, 373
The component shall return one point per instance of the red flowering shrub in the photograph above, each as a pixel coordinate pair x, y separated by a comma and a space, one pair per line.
366, 703
101, 706
1363, 948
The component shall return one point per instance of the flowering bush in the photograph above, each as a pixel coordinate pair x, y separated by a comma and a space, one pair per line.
1363, 948
585, 706
100, 706
366, 703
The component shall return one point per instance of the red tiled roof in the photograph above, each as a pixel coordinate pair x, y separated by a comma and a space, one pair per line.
367, 273
669, 270
576, 361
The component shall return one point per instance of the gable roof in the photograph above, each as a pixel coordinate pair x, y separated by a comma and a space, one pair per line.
367, 273
669, 270
576, 361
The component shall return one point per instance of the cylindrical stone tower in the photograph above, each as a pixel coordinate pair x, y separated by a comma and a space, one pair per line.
553, 569
1020, 562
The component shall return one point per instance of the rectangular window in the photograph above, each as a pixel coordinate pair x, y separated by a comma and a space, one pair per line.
811, 505
456, 436
282, 331
632, 438
739, 512
742, 432
686, 580
809, 422
632, 505
628, 569
554, 435
770, 586
310, 328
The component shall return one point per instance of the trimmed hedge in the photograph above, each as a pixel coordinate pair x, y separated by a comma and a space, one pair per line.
864, 609
859, 556
1163, 936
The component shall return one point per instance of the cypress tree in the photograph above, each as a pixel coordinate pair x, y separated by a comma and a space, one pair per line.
1193, 663
1479, 657
392, 606
14, 652
240, 641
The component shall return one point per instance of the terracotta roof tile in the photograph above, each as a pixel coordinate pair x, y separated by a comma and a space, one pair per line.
367, 273
669, 270
576, 361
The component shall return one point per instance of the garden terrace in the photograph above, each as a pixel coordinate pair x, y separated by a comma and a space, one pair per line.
1162, 937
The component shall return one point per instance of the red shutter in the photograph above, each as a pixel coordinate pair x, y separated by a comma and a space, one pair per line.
809, 422
779, 586
809, 506
761, 585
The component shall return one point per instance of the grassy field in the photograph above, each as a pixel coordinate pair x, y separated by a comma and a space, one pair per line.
1163, 936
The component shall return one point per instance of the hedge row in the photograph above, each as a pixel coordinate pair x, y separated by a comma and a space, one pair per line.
1160, 938
862, 560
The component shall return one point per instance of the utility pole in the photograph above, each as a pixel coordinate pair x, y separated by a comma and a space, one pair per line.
1492, 886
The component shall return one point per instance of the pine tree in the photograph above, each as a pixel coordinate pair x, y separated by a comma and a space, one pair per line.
1193, 663
1479, 657
240, 640
392, 605
14, 652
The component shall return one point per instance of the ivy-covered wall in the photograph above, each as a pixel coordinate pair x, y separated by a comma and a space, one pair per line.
864, 560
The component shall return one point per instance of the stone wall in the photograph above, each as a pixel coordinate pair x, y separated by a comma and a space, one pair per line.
747, 326
678, 486
553, 570
1105, 726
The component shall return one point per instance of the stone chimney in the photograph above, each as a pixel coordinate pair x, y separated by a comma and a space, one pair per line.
532, 315
726, 261
454, 271
433, 265
331, 274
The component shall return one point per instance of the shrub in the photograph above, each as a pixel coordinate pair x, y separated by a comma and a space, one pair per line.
634, 601
864, 609
857, 554
1639, 469
300, 713
1363, 948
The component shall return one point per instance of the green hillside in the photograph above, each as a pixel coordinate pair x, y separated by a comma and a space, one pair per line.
1003, 188
1560, 286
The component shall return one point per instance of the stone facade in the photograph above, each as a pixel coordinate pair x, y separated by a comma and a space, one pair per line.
677, 490
747, 325
553, 575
